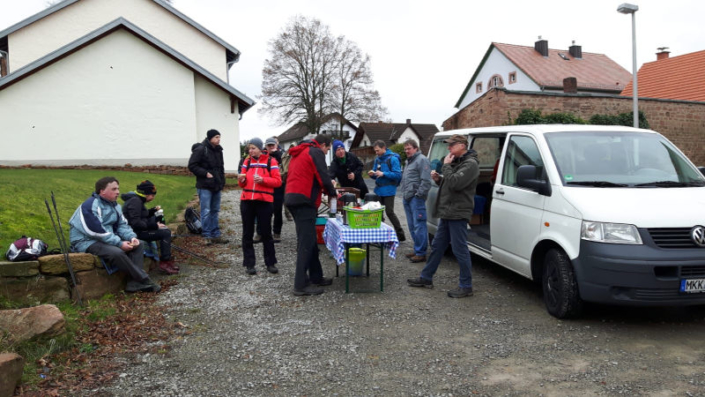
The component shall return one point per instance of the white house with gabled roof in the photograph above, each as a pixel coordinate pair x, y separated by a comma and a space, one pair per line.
104, 82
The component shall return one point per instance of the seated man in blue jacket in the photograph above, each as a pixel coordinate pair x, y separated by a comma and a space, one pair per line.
386, 171
99, 228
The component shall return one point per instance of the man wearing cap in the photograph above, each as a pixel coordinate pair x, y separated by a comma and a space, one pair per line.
273, 150
206, 163
144, 223
347, 168
453, 208
98, 227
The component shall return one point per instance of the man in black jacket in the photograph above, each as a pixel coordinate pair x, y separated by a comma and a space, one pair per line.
206, 163
347, 168
144, 223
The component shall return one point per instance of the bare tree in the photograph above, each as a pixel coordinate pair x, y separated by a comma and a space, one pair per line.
311, 73
354, 96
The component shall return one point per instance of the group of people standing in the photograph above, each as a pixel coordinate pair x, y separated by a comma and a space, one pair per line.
101, 227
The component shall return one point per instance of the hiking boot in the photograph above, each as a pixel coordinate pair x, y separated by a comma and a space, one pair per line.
272, 269
167, 267
460, 293
257, 239
309, 290
277, 237
251, 271
324, 281
420, 282
219, 240
146, 285
288, 216
410, 255
418, 258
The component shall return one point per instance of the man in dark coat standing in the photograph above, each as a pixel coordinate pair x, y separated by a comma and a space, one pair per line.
206, 163
347, 168
307, 179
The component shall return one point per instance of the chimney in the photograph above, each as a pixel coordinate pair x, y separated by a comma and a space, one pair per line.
570, 85
576, 51
408, 121
662, 54
541, 46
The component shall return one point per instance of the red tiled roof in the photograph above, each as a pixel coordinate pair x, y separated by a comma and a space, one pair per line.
681, 77
593, 71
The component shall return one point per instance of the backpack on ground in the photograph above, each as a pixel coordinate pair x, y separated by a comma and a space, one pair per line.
26, 249
193, 221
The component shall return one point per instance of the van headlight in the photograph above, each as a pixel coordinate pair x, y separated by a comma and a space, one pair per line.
613, 233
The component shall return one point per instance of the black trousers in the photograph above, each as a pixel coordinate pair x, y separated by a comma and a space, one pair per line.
277, 206
164, 238
308, 266
131, 262
262, 212
388, 203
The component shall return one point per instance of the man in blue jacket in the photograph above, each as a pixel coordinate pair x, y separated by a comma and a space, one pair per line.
386, 171
98, 227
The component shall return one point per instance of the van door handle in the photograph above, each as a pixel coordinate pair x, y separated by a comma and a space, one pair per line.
499, 191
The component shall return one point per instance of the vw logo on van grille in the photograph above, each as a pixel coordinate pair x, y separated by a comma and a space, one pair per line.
698, 235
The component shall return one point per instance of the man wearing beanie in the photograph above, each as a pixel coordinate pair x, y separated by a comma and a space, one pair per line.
144, 223
206, 163
347, 168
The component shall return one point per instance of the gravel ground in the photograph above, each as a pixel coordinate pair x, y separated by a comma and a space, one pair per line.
250, 336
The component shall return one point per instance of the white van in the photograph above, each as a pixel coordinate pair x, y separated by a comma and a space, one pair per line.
595, 213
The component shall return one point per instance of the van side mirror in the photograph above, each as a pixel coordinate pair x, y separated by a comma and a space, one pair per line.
528, 176
702, 170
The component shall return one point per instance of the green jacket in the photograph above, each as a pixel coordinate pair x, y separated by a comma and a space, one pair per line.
456, 192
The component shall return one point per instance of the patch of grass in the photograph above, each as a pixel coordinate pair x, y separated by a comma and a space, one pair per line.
23, 211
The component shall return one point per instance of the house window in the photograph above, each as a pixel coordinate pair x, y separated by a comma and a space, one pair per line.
512, 77
478, 88
495, 81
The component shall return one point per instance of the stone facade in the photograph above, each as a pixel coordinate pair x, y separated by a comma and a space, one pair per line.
682, 122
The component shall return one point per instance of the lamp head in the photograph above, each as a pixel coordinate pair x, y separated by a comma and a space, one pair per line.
626, 8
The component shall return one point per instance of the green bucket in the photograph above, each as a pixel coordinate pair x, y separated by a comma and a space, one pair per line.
357, 258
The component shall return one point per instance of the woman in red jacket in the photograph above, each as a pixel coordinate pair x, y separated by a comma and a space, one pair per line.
259, 175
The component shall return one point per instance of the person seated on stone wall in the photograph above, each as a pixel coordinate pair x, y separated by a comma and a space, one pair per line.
144, 222
98, 227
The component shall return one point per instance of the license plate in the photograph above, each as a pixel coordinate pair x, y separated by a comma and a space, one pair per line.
693, 285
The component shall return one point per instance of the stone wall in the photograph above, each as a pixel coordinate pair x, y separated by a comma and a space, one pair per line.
47, 280
153, 169
682, 122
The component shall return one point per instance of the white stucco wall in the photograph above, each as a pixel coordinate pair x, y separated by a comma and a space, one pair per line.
103, 106
70, 23
499, 64
213, 112
408, 134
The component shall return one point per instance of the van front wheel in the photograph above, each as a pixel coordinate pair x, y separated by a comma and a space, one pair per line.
560, 289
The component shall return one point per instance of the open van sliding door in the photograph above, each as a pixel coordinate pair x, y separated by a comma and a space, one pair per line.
516, 212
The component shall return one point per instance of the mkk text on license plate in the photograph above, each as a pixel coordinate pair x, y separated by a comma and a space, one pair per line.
693, 285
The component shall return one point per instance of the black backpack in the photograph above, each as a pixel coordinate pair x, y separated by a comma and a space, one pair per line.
26, 249
193, 221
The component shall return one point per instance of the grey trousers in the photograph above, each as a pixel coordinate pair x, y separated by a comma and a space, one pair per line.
131, 262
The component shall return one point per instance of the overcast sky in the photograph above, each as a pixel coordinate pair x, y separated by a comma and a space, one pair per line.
425, 52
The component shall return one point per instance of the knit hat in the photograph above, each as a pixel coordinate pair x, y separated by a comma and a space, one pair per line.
257, 142
212, 133
337, 145
270, 141
146, 188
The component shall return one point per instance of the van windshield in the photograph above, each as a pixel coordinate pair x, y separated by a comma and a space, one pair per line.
620, 159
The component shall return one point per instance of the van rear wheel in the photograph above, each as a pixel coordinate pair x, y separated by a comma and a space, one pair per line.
560, 289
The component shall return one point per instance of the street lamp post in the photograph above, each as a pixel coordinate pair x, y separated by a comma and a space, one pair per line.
626, 8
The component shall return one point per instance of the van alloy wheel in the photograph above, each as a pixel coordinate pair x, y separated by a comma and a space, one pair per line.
560, 289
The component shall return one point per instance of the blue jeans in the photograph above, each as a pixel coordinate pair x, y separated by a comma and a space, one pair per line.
455, 232
210, 207
415, 209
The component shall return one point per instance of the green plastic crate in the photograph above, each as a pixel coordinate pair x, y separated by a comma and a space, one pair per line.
364, 219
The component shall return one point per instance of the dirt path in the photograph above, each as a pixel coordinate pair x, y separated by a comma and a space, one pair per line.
250, 336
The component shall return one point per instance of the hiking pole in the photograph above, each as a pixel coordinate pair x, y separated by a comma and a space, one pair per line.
193, 254
59, 236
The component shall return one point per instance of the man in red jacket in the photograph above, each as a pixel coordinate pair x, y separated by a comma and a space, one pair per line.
307, 179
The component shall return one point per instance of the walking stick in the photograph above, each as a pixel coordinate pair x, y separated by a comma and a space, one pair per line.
193, 254
64, 248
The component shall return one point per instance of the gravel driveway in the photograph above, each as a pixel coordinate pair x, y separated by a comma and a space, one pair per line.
250, 336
